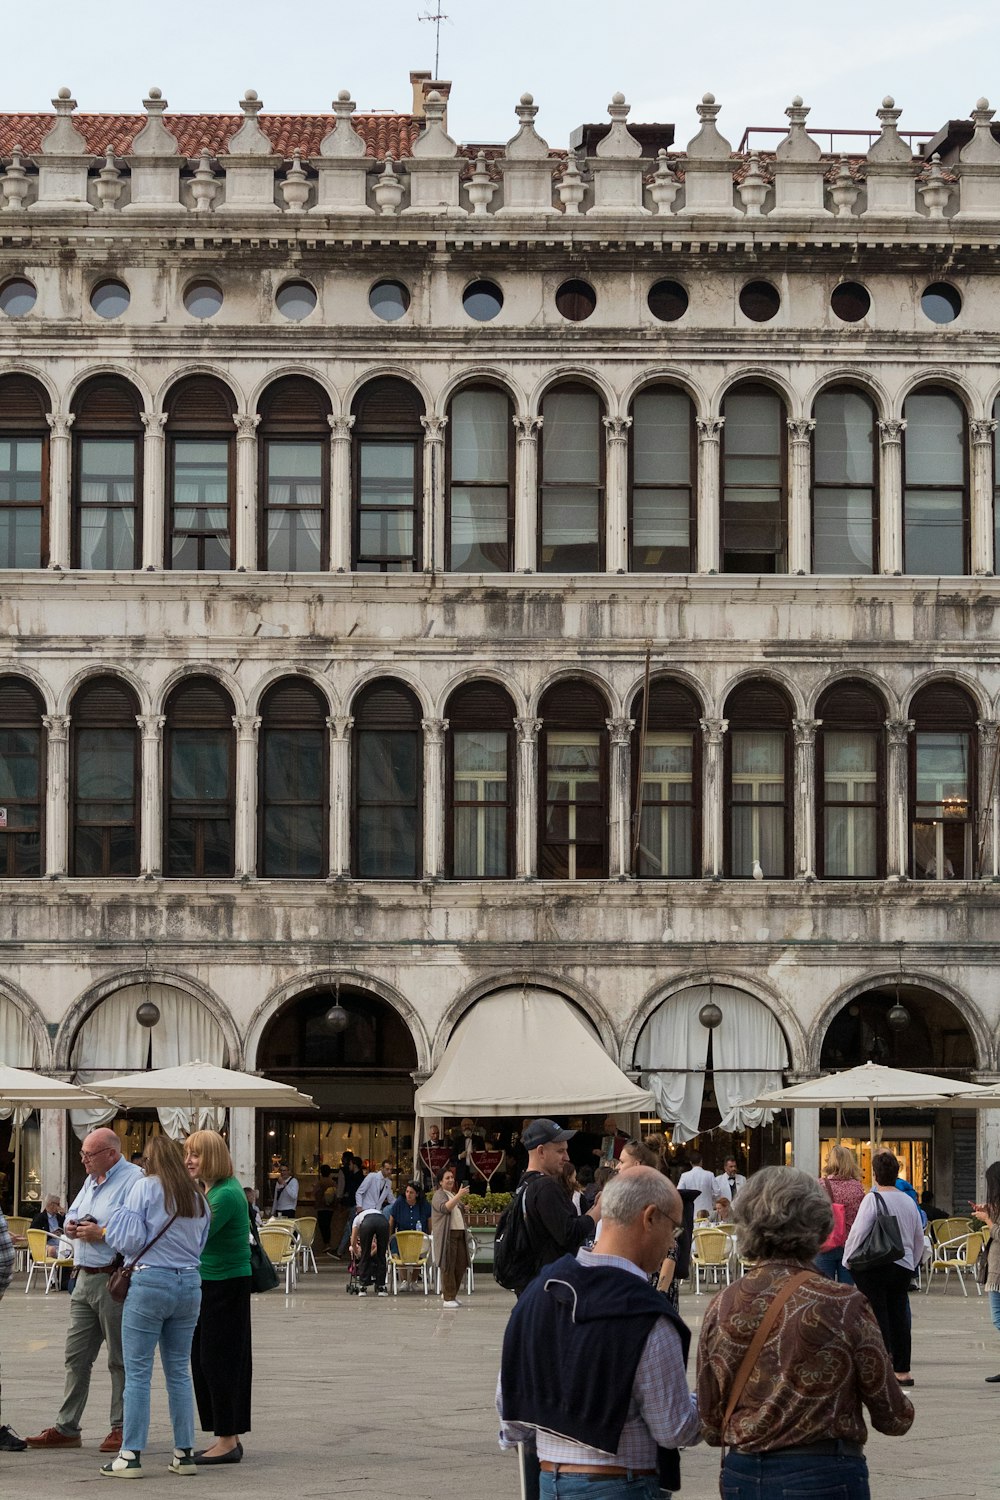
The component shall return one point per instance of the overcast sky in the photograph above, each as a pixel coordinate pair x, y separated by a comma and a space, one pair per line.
842, 58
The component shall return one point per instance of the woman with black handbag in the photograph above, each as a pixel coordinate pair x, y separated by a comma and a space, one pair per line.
989, 1212
883, 1250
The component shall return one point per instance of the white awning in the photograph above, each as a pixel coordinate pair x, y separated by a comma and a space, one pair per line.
527, 1052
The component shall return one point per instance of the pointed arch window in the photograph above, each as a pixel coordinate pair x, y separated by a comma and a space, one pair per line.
754, 482
294, 479
845, 484
573, 752
943, 748
24, 473
662, 492
758, 762
388, 782
107, 475
669, 810
935, 484
105, 776
201, 521
22, 779
480, 481
571, 513
481, 765
294, 781
388, 478
201, 780
850, 783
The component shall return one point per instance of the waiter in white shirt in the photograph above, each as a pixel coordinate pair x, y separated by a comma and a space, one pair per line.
729, 1182
698, 1179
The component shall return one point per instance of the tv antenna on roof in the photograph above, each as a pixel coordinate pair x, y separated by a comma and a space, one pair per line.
437, 17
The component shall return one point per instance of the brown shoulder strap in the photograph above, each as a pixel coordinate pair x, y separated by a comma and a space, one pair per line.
757, 1343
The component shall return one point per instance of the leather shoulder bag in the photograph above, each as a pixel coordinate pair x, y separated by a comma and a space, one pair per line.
120, 1275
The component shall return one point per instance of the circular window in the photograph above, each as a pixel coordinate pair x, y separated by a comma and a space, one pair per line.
388, 300
17, 298
295, 300
941, 303
850, 301
759, 301
482, 300
110, 299
576, 300
203, 299
667, 301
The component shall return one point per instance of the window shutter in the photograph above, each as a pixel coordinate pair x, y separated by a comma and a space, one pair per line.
943, 705
200, 703
107, 401
573, 705
757, 705
389, 405
105, 701
201, 403
294, 703
671, 706
295, 404
23, 404
387, 705
480, 705
20, 704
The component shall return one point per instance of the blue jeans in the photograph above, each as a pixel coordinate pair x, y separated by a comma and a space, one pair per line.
764, 1476
995, 1309
830, 1263
584, 1487
161, 1310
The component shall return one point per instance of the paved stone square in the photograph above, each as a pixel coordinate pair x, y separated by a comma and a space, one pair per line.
394, 1397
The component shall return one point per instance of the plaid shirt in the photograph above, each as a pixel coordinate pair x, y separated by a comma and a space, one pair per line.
6, 1256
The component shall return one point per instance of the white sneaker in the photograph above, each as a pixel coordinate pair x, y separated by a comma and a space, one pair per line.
456, 1303
183, 1462
126, 1466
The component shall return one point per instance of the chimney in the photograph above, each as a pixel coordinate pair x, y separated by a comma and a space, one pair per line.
422, 84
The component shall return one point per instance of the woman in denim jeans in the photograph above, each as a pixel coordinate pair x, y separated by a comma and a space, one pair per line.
989, 1212
163, 1225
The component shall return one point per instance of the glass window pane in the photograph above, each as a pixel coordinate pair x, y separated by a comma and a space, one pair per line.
107, 538
19, 772
105, 765
20, 469
661, 528
387, 766
104, 458
934, 439
388, 461
843, 530
199, 765
479, 530
387, 843
386, 534
480, 437
844, 439
661, 438
571, 438
293, 842
293, 765
570, 525
943, 768
933, 532
753, 424
20, 538
480, 752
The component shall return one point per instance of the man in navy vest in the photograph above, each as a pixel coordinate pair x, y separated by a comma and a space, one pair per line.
593, 1364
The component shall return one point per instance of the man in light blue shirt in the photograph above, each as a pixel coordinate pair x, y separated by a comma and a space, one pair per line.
95, 1317
375, 1191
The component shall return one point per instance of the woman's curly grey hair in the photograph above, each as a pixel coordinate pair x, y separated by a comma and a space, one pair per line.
781, 1214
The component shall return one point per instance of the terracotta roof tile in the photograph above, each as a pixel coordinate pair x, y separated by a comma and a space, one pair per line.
381, 133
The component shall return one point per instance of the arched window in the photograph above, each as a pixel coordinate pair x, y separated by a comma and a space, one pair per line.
573, 837
850, 783
480, 482
935, 484
106, 776
481, 768
22, 779
662, 493
24, 473
107, 475
294, 479
201, 780
294, 781
668, 802
754, 481
388, 781
388, 478
943, 784
571, 512
845, 486
201, 520
758, 781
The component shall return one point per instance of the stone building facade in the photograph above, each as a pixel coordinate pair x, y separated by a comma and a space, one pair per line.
372, 507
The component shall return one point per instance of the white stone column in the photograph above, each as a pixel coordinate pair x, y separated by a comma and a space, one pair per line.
54, 1165
804, 801
891, 496
247, 727
616, 496
981, 497
619, 809
432, 530
246, 491
527, 798
709, 492
988, 1144
56, 793
153, 490
340, 493
434, 733
340, 804
60, 423
243, 1141
800, 495
987, 853
526, 495
152, 791
897, 815
712, 803
805, 1140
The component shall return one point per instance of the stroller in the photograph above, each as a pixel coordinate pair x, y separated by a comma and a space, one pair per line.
353, 1273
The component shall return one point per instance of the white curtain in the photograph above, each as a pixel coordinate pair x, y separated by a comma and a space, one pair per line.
672, 1052
749, 1054
186, 1032
17, 1047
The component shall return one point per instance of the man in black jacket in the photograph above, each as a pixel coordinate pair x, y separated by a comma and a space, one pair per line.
554, 1226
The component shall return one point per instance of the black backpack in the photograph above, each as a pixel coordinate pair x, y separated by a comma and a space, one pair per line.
514, 1259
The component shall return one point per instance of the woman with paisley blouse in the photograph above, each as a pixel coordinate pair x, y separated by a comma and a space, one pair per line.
798, 1426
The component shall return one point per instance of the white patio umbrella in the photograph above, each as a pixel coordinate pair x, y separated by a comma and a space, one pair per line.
22, 1091
197, 1085
872, 1084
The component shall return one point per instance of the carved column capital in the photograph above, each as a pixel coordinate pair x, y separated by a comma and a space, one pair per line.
805, 730
714, 730
57, 726
246, 726
340, 428
620, 730
154, 422
899, 730
246, 424
434, 730
341, 724
434, 428
527, 429
981, 430
710, 429
891, 431
800, 429
988, 731
60, 422
527, 730
151, 725
617, 428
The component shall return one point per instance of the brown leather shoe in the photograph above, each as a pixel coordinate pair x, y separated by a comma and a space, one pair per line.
53, 1438
113, 1442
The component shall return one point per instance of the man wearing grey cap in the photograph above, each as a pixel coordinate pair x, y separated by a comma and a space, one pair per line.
554, 1226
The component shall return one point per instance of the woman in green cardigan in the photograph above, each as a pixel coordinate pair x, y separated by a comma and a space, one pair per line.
221, 1360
